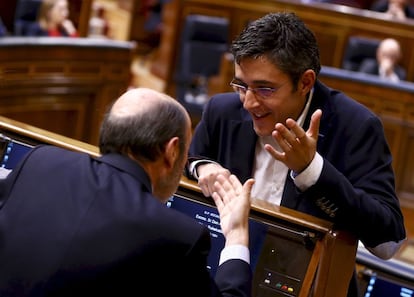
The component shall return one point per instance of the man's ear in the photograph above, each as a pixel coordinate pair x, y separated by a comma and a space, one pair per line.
307, 81
172, 151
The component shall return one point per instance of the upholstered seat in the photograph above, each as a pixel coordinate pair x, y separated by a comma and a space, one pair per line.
204, 40
25, 15
357, 50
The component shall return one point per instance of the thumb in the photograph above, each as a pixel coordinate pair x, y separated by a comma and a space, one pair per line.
247, 186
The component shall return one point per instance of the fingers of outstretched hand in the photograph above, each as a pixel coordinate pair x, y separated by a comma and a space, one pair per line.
297, 147
293, 134
226, 187
208, 175
290, 136
206, 184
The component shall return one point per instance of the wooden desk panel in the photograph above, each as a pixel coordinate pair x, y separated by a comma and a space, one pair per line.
62, 84
327, 271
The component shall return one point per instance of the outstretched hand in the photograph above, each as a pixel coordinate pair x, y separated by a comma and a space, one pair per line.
298, 147
207, 175
233, 203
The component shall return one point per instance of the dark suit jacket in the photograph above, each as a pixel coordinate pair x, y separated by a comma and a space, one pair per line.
71, 225
34, 29
356, 186
370, 66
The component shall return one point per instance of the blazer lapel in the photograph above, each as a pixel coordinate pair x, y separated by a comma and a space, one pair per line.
290, 194
243, 145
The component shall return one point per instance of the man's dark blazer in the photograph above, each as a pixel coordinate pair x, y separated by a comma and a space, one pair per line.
356, 186
71, 225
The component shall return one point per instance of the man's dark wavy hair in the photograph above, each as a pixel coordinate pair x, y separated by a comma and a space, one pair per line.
284, 39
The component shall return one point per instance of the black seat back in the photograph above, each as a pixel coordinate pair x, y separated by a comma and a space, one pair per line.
25, 15
358, 49
204, 41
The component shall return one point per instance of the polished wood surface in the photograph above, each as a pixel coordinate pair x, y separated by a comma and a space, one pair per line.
286, 214
81, 11
62, 84
40, 136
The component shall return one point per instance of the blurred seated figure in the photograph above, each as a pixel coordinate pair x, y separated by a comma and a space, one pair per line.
396, 9
25, 15
98, 23
359, 48
53, 20
386, 63
3, 30
148, 25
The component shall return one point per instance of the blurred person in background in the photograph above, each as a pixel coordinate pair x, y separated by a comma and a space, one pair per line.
386, 63
3, 30
53, 20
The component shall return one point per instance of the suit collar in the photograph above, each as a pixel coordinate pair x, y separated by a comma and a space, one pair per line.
127, 165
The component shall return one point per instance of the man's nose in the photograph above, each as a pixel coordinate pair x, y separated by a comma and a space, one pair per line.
250, 100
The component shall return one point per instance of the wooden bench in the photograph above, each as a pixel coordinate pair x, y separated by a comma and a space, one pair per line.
63, 85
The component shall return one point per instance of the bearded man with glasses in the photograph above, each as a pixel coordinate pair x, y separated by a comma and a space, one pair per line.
309, 147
